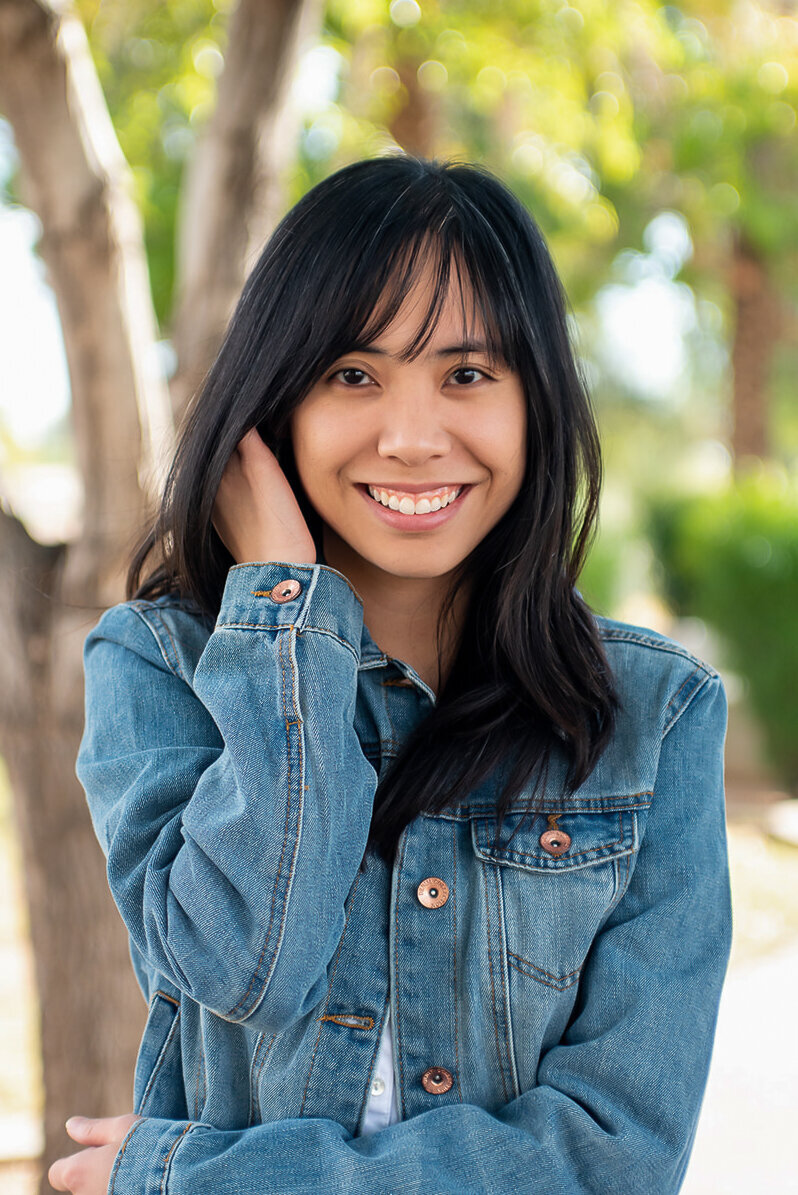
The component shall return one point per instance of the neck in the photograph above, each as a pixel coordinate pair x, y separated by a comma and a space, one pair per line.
401, 613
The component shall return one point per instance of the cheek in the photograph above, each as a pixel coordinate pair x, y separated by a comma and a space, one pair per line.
499, 440
322, 442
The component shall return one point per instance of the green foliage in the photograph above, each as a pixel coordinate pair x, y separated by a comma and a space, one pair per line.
597, 114
599, 580
731, 558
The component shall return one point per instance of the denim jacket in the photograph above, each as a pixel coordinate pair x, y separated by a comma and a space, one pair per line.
570, 996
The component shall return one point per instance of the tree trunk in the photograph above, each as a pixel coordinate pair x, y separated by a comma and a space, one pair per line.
415, 125
92, 1013
757, 331
234, 194
76, 180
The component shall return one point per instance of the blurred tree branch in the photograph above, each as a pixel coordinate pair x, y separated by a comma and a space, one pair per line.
233, 195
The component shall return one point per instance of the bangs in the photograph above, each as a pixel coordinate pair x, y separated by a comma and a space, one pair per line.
442, 265
425, 237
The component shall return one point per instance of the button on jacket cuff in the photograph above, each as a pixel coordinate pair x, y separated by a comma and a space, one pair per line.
326, 601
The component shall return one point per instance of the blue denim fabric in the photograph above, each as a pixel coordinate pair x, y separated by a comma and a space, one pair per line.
230, 772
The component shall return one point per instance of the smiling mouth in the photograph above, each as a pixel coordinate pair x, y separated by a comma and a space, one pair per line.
415, 504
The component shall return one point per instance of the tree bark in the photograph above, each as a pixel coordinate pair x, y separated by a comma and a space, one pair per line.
233, 197
76, 180
415, 125
757, 331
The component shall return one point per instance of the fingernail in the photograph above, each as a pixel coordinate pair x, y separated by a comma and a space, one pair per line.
74, 1122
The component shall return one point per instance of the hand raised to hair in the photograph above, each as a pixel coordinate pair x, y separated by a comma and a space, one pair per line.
256, 514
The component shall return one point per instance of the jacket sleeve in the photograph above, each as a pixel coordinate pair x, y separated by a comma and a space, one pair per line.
234, 809
618, 1097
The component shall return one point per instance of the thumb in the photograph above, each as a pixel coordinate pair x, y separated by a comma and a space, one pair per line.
106, 1130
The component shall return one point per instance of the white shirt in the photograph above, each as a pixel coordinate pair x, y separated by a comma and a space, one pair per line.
381, 1108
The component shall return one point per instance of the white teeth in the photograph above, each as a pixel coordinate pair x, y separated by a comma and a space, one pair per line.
408, 505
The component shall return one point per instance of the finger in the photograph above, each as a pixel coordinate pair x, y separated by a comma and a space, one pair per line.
59, 1174
250, 440
253, 449
106, 1130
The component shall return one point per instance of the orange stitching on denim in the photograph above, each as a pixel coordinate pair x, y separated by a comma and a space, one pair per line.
121, 1153
329, 988
492, 984
559, 987
454, 965
309, 568
402, 683
673, 649
349, 1020
571, 858
397, 1026
169, 1156
254, 978
466, 812
171, 999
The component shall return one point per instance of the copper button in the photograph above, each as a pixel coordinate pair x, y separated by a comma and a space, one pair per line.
555, 842
437, 1080
432, 892
286, 591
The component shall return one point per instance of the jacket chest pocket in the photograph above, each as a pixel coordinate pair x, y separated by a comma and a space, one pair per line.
557, 878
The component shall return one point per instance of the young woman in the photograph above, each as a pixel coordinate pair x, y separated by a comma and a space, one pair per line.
405, 838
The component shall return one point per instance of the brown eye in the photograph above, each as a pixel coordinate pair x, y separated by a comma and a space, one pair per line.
351, 376
467, 375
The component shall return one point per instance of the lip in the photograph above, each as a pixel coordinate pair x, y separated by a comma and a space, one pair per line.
428, 522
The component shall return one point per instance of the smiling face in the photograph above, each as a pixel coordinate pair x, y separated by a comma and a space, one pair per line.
440, 439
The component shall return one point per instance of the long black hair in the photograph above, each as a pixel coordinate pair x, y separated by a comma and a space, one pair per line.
529, 676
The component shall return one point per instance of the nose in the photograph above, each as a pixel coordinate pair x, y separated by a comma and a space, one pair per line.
411, 429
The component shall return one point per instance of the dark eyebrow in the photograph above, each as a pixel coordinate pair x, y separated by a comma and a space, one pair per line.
454, 350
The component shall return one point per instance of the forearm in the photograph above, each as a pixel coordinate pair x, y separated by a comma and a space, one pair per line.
216, 853
541, 1144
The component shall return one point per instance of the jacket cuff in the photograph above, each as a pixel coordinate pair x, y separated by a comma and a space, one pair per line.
277, 595
145, 1157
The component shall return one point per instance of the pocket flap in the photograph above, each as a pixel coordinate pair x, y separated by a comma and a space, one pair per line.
595, 837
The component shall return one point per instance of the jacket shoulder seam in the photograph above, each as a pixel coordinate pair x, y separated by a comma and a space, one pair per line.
168, 650
698, 679
664, 645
